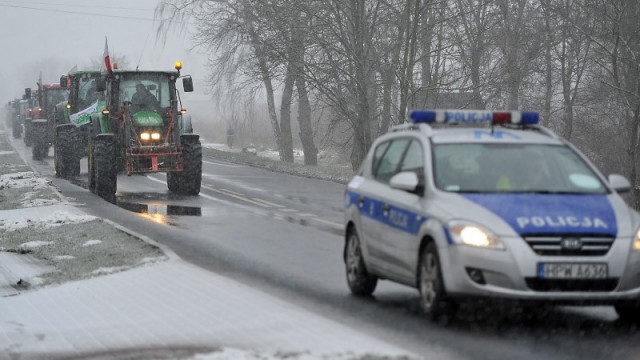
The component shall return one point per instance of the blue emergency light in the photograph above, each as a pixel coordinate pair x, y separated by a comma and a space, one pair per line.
474, 117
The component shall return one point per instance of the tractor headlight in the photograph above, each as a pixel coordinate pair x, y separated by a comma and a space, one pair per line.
145, 136
155, 136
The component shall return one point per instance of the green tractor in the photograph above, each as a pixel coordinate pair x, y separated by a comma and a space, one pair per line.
142, 130
72, 120
43, 123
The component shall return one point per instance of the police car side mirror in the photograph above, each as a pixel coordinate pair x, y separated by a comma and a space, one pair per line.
619, 183
407, 181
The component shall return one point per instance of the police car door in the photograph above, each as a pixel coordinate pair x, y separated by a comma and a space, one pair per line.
402, 215
376, 208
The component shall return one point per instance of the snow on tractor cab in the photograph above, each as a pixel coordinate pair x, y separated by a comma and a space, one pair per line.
141, 130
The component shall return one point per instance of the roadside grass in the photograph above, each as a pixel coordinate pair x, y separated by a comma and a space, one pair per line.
335, 173
80, 251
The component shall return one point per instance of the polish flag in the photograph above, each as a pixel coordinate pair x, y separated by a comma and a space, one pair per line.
107, 61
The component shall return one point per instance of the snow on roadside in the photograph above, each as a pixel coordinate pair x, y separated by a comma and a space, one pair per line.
92, 242
298, 155
43, 217
25, 179
109, 270
240, 354
28, 203
7, 152
35, 244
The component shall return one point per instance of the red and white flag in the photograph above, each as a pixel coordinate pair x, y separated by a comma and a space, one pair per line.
107, 61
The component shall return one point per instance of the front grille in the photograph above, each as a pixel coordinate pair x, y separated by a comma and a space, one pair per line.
537, 284
552, 245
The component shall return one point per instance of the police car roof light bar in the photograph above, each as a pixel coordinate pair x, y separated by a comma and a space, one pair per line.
474, 117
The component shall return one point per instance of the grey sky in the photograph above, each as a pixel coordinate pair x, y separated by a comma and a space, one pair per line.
49, 35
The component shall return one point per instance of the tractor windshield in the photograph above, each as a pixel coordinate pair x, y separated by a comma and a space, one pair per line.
87, 92
55, 96
146, 91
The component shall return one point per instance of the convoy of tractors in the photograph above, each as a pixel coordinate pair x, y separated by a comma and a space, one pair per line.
128, 121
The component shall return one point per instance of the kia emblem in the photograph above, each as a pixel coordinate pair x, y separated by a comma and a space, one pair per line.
571, 244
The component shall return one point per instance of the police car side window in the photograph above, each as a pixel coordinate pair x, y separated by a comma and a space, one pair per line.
413, 159
389, 164
377, 155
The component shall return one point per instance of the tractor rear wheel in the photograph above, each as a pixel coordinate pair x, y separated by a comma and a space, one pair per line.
67, 162
17, 130
106, 171
91, 164
190, 178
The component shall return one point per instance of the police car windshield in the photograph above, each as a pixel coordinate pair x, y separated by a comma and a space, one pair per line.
509, 168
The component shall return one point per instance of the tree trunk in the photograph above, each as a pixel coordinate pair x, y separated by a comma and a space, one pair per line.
304, 119
548, 93
387, 90
286, 152
268, 86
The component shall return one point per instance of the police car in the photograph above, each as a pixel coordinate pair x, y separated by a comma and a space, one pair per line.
497, 206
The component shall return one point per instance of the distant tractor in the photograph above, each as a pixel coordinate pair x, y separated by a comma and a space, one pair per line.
73, 119
43, 124
141, 130
27, 108
14, 119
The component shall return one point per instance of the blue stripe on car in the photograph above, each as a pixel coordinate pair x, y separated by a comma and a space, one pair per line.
396, 217
537, 214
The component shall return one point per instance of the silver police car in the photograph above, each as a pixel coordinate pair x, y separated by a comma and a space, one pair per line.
497, 206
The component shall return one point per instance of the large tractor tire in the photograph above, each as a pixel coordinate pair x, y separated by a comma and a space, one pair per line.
67, 161
172, 181
40, 149
17, 129
91, 163
190, 178
106, 170
27, 132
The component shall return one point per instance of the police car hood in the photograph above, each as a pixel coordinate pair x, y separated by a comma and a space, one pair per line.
527, 214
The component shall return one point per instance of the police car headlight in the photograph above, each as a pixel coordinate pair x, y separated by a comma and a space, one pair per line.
474, 235
636, 241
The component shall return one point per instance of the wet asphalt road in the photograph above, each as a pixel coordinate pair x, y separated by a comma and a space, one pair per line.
282, 234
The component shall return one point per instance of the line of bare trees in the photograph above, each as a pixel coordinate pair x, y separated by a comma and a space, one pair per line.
370, 61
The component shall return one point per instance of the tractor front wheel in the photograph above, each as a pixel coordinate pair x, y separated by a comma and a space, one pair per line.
106, 171
189, 179
67, 162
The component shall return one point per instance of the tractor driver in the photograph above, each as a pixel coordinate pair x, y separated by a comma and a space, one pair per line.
144, 99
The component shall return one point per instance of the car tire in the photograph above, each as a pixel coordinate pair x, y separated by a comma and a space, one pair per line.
360, 282
628, 312
433, 298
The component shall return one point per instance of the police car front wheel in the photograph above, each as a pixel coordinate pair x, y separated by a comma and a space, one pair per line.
361, 283
432, 293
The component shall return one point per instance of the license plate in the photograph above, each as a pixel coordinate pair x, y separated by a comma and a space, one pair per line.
572, 271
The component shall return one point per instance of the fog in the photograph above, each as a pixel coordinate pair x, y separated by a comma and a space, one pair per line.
53, 36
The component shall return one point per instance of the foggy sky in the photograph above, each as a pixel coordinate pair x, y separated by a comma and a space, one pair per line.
33, 39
